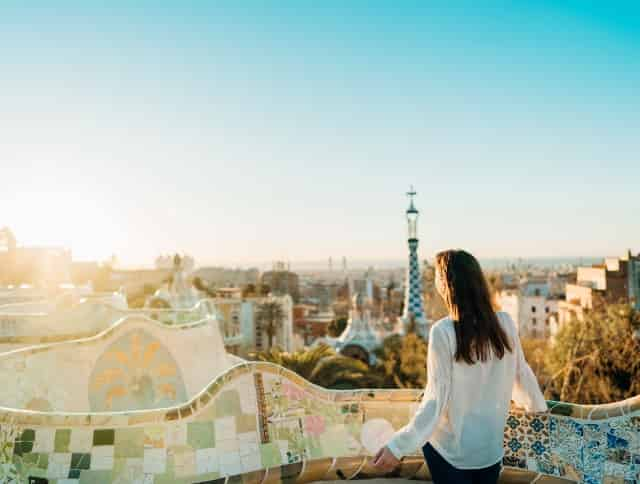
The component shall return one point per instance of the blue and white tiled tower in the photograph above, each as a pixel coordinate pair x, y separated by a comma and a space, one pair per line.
413, 299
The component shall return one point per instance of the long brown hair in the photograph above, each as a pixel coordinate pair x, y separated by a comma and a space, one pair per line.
466, 294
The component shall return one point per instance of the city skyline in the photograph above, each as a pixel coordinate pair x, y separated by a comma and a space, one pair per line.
248, 133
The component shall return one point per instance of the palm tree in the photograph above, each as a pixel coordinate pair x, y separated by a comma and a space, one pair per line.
322, 366
269, 317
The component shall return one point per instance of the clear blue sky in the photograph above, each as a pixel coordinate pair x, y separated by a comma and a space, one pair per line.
252, 131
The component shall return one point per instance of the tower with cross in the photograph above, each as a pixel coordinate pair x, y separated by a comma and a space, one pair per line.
413, 299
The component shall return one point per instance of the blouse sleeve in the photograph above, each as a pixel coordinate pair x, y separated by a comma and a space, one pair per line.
526, 392
434, 400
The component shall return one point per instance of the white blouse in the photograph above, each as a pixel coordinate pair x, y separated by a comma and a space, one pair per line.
464, 407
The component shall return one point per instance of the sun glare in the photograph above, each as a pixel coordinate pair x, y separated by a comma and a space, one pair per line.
66, 220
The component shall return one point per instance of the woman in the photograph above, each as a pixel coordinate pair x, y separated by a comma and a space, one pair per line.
475, 366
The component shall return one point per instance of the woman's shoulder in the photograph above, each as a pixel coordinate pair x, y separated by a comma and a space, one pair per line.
506, 320
444, 325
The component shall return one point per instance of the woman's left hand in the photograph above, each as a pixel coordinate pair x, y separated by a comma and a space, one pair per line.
384, 460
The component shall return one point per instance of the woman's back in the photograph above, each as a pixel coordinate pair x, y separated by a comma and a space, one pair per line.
475, 366
470, 433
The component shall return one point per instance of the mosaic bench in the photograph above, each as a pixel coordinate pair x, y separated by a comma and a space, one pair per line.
260, 423
20, 329
135, 364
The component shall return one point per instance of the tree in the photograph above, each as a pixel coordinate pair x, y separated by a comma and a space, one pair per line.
269, 317
323, 366
336, 327
250, 290
202, 286
402, 361
534, 350
595, 360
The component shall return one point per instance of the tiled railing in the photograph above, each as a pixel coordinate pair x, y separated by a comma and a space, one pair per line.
22, 329
260, 423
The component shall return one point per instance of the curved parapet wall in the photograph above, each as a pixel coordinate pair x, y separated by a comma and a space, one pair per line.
27, 324
259, 423
137, 363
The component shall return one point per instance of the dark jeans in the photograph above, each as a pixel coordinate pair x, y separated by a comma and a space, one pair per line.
444, 473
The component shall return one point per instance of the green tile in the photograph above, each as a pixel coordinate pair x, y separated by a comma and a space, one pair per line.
103, 437
61, 443
270, 454
22, 447
43, 461
227, 404
129, 442
200, 435
80, 461
30, 459
96, 477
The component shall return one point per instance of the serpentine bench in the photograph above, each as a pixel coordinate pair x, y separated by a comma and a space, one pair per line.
259, 423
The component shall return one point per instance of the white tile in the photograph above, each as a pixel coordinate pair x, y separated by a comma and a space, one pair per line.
59, 465
155, 461
133, 471
207, 461
225, 428
230, 463
249, 448
177, 434
248, 437
184, 463
228, 445
251, 462
45, 439
81, 440
102, 457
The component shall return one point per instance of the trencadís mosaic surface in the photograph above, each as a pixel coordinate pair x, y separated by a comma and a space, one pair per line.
259, 423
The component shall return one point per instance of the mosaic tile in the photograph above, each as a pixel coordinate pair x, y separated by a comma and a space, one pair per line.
61, 440
103, 437
287, 424
102, 457
200, 435
129, 442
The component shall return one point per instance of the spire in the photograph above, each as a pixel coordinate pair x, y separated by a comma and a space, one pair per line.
413, 300
359, 332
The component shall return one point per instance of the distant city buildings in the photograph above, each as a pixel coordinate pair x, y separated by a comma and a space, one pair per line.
282, 281
367, 326
616, 280
531, 306
228, 277
40, 266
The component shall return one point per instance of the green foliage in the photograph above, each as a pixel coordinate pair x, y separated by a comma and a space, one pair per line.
322, 366
270, 317
595, 360
534, 350
402, 361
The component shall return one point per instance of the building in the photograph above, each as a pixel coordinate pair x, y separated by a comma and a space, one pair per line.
413, 314
282, 281
358, 340
615, 281
241, 329
227, 277
311, 323
531, 306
